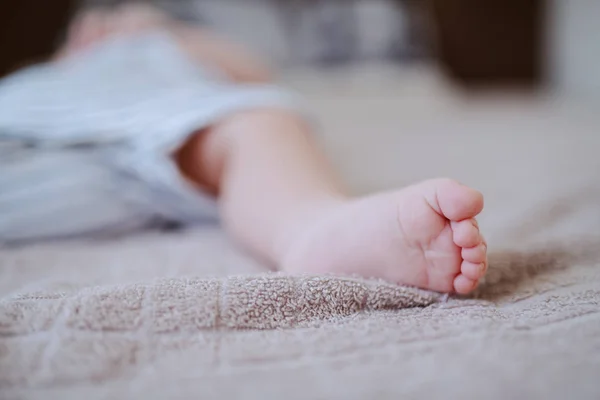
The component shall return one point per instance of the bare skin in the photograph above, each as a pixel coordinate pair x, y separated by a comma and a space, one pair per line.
279, 197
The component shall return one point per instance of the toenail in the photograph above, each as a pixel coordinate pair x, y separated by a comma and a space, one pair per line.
482, 268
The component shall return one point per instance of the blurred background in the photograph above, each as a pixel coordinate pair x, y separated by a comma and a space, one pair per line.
518, 42
502, 95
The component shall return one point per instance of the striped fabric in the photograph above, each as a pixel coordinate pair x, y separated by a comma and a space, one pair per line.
85, 143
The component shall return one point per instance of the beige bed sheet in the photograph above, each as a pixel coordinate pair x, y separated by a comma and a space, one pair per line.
187, 316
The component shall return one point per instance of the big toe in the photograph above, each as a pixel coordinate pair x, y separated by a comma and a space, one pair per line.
454, 200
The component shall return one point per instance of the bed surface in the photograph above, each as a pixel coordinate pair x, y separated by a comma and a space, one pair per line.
187, 316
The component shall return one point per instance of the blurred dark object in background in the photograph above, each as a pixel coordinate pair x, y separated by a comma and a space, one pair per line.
490, 42
30, 30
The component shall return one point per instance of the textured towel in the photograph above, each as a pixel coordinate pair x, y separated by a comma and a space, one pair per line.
190, 336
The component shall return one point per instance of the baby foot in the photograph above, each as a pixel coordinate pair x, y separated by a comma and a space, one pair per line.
424, 235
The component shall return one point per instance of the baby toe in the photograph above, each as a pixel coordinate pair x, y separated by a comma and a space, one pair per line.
464, 285
477, 254
473, 271
466, 233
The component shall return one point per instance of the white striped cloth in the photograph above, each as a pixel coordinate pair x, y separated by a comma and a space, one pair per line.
85, 143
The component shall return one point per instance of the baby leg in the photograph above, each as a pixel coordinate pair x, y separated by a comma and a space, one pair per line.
280, 199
